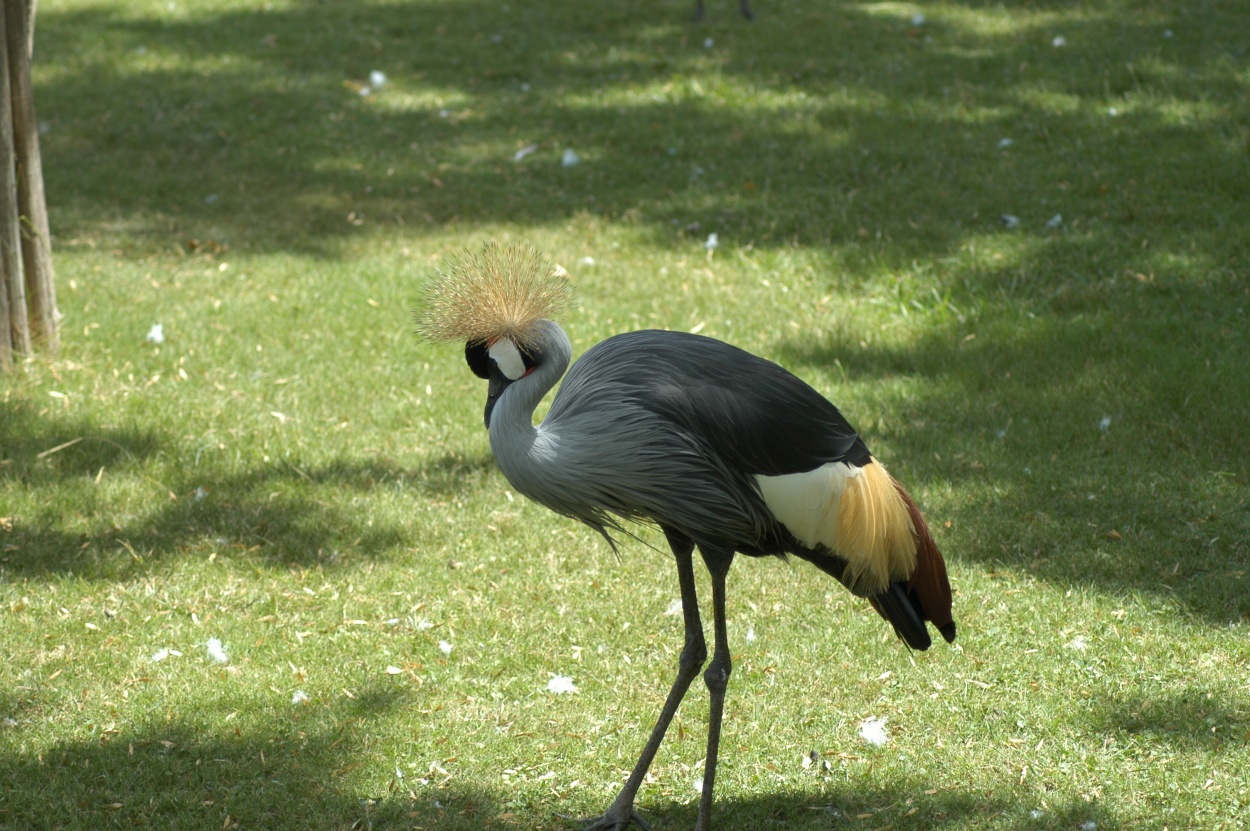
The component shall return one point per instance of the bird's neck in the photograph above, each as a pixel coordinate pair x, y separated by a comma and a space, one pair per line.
514, 440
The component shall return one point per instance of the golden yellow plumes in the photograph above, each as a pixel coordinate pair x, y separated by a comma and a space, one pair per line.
874, 531
479, 298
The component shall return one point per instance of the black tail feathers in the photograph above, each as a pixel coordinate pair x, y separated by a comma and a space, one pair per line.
902, 609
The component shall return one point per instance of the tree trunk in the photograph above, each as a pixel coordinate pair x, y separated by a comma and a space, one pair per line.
13, 329
36, 240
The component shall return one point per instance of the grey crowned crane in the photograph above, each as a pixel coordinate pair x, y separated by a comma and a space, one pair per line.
724, 451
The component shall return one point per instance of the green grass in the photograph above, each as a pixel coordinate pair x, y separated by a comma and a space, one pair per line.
292, 473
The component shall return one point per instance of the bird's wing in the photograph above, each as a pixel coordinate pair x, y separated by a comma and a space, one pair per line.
750, 411
762, 428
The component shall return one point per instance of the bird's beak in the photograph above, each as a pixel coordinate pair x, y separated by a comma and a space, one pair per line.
497, 383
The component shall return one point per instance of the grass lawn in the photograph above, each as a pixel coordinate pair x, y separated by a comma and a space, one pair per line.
263, 573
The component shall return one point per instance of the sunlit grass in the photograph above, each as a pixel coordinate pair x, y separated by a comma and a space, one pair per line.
292, 473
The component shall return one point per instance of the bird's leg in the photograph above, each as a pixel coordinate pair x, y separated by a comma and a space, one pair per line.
693, 654
717, 679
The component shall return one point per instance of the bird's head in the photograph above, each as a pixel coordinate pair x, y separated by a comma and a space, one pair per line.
500, 362
498, 303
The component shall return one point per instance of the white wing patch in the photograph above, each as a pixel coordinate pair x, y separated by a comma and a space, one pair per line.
807, 503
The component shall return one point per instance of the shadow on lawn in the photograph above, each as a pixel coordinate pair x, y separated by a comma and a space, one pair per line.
34, 446
197, 772
299, 772
247, 125
870, 807
1196, 719
280, 512
1108, 443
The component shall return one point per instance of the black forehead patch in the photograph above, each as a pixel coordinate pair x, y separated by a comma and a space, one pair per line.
477, 356
529, 357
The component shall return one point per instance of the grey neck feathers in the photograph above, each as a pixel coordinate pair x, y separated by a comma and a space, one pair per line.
516, 444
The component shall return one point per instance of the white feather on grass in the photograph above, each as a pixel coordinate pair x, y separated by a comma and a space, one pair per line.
217, 652
560, 684
872, 731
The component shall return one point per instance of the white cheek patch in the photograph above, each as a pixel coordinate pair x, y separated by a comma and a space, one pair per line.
508, 358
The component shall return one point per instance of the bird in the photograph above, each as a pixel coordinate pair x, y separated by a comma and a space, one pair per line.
744, 6
725, 451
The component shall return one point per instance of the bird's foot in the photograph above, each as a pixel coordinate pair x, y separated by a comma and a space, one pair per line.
616, 819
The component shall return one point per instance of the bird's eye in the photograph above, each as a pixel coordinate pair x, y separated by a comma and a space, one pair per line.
477, 356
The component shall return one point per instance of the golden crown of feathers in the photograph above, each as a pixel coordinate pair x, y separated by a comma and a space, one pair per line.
496, 293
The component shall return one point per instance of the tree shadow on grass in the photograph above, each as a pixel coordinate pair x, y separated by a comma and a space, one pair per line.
248, 124
297, 772
35, 447
280, 512
198, 771
914, 805
1107, 440
1196, 719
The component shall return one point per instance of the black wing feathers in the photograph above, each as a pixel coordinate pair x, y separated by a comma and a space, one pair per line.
752, 412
